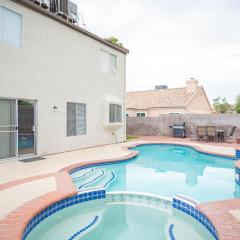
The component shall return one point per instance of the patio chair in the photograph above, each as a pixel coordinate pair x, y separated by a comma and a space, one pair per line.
211, 132
230, 137
201, 132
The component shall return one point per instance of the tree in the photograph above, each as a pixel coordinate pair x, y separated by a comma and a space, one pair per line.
237, 105
221, 105
115, 41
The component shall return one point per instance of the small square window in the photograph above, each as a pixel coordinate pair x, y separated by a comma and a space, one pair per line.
115, 113
108, 62
141, 114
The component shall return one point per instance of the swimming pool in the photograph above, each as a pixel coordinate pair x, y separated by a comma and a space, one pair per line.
166, 170
120, 216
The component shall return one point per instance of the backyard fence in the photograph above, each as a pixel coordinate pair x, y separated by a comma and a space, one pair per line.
159, 126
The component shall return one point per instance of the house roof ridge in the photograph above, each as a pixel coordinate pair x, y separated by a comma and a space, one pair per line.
153, 90
177, 97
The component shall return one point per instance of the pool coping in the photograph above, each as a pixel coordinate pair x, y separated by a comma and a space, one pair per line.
13, 225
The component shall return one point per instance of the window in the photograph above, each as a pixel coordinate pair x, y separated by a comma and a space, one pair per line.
141, 114
108, 62
115, 113
76, 119
10, 27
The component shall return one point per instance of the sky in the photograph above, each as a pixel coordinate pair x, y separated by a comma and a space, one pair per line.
171, 41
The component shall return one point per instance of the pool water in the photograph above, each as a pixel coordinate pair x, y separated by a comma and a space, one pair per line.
118, 221
166, 170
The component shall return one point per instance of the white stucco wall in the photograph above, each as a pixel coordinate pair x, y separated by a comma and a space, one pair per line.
57, 65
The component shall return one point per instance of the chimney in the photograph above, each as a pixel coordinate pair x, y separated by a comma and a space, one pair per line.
159, 87
192, 85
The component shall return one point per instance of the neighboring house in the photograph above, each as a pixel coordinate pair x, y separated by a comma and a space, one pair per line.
61, 87
191, 99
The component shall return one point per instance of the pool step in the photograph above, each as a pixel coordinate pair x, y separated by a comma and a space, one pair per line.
104, 181
93, 177
91, 180
84, 173
86, 177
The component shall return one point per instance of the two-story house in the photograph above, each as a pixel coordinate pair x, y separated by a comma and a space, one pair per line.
61, 87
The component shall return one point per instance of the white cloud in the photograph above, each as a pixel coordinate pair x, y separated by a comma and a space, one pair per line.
170, 41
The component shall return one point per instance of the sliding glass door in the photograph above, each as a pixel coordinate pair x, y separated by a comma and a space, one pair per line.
8, 128
26, 127
17, 128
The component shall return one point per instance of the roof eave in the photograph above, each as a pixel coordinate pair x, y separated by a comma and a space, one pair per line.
39, 9
171, 107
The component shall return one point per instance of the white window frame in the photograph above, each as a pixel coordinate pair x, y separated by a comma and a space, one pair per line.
109, 71
115, 113
22, 34
76, 134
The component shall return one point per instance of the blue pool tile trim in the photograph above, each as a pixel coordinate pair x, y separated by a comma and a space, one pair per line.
84, 228
108, 182
102, 164
191, 210
64, 203
93, 180
238, 153
237, 175
85, 174
170, 232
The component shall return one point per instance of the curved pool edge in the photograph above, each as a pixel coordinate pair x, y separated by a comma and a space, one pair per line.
151, 200
76, 166
196, 148
14, 224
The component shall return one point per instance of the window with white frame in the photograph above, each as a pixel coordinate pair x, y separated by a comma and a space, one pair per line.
115, 113
11, 27
108, 62
76, 119
141, 114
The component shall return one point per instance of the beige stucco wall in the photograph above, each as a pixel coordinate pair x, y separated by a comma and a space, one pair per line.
199, 105
57, 65
155, 112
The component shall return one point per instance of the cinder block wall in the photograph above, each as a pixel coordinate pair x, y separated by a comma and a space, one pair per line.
159, 126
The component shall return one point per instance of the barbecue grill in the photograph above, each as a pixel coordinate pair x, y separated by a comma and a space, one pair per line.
179, 130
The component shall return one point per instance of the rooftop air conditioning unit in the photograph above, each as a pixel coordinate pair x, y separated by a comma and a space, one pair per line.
60, 7
45, 4
159, 87
38, 2
72, 12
